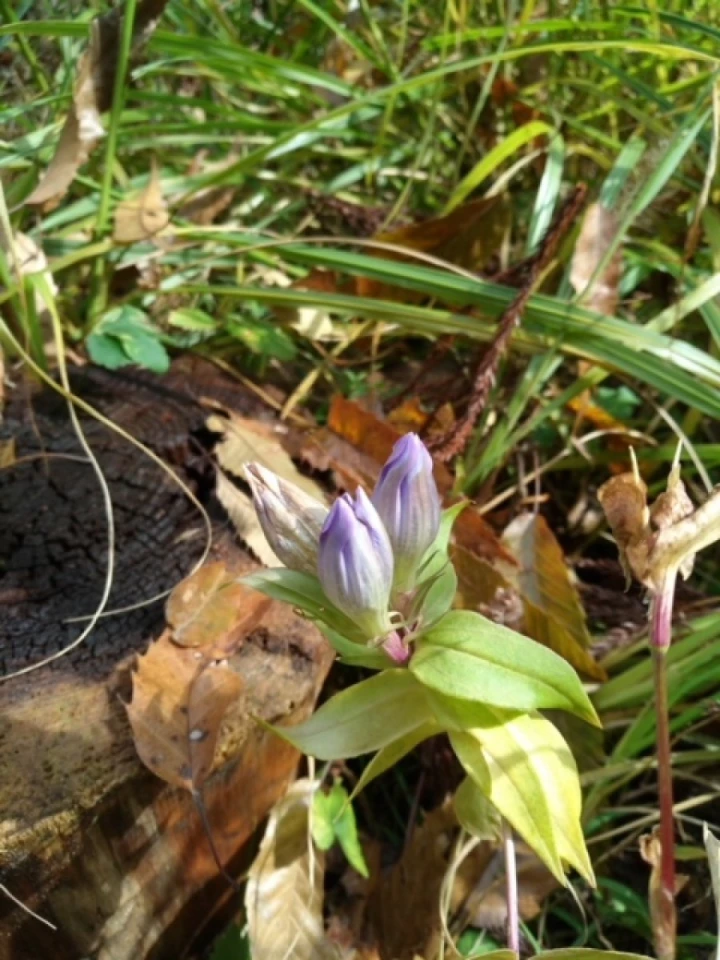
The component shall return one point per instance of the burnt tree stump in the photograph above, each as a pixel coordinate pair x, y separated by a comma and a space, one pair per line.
89, 839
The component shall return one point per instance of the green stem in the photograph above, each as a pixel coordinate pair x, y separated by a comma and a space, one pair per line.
99, 292
660, 637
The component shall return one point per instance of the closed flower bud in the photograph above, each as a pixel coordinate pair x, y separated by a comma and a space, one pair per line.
290, 518
355, 563
407, 500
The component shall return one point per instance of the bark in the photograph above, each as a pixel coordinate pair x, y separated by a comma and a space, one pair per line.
89, 838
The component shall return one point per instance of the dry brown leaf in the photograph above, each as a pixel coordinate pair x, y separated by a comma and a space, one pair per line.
663, 921
624, 500
480, 893
141, 217
207, 204
553, 613
92, 96
597, 233
405, 906
183, 686
244, 440
284, 892
178, 704
210, 609
469, 236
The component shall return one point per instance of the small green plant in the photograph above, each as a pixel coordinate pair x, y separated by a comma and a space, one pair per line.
375, 575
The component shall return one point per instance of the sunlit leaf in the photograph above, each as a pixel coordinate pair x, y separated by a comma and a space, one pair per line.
363, 718
468, 656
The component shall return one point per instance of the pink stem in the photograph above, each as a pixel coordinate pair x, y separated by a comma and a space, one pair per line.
511, 886
660, 638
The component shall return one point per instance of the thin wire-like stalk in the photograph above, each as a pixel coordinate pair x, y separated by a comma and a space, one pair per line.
511, 888
660, 637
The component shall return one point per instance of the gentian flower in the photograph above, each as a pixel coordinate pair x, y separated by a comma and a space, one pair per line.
355, 563
407, 500
290, 518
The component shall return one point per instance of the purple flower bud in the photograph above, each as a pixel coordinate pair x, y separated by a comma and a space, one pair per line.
407, 500
355, 563
291, 519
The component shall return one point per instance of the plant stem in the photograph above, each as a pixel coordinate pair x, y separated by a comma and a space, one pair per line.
660, 636
511, 887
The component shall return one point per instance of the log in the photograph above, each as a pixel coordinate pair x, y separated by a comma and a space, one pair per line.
89, 839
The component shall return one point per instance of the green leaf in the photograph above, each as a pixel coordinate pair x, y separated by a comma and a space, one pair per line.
547, 194
365, 717
584, 953
303, 591
435, 597
191, 318
437, 554
106, 351
514, 141
124, 336
394, 752
474, 811
263, 338
466, 655
532, 779
356, 654
333, 818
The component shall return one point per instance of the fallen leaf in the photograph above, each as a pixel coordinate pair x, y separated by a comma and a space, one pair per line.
92, 96
142, 217
469, 237
405, 906
212, 610
178, 704
183, 686
207, 204
480, 893
598, 231
284, 892
553, 612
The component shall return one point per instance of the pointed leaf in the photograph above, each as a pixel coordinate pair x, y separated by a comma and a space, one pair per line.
468, 656
533, 782
584, 953
393, 753
363, 718
303, 591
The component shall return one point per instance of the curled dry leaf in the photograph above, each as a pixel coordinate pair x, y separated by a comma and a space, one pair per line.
212, 610
177, 708
553, 613
92, 96
284, 892
183, 685
624, 500
142, 217
598, 231
663, 921
655, 543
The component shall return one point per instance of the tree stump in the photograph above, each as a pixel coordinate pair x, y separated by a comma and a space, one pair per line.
89, 839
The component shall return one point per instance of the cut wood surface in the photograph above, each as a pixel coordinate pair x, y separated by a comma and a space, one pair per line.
89, 838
